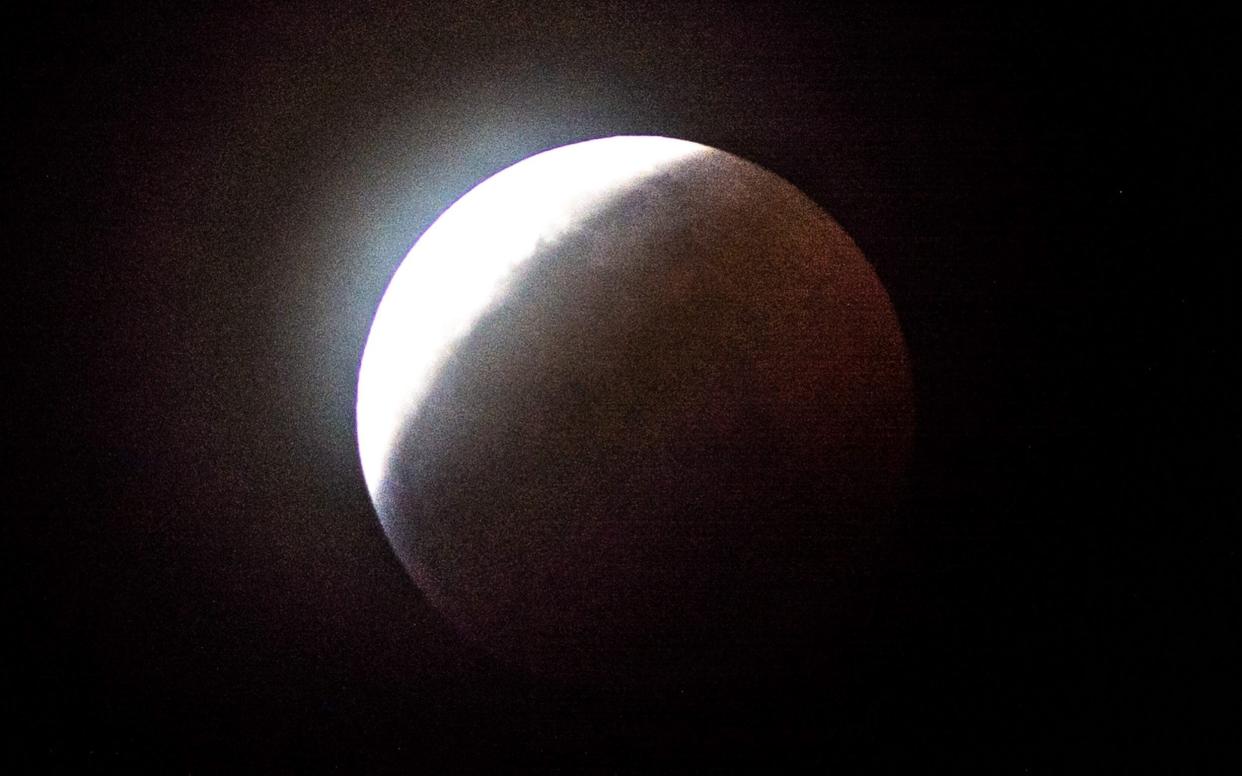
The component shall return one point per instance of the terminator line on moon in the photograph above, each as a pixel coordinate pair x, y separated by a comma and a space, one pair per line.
634, 405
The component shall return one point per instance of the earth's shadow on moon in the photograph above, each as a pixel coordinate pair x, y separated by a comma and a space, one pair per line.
670, 451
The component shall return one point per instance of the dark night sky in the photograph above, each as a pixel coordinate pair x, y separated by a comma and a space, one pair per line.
208, 207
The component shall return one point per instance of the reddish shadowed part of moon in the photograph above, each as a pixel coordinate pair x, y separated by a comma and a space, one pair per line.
634, 406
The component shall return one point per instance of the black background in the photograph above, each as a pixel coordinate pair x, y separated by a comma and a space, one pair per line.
205, 207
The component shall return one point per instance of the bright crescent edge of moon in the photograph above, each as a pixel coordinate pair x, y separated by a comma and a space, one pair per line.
458, 269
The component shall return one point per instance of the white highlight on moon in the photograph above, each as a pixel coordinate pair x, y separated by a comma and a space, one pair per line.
458, 269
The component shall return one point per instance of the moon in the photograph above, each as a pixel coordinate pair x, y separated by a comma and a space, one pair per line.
635, 406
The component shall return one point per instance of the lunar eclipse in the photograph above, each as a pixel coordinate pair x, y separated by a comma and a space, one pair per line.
627, 401
458, 386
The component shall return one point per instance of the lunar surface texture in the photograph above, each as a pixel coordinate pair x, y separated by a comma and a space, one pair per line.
636, 407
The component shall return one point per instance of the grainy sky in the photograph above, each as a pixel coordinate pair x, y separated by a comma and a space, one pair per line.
210, 202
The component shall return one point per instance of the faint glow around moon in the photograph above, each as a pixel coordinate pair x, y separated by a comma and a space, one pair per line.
459, 267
